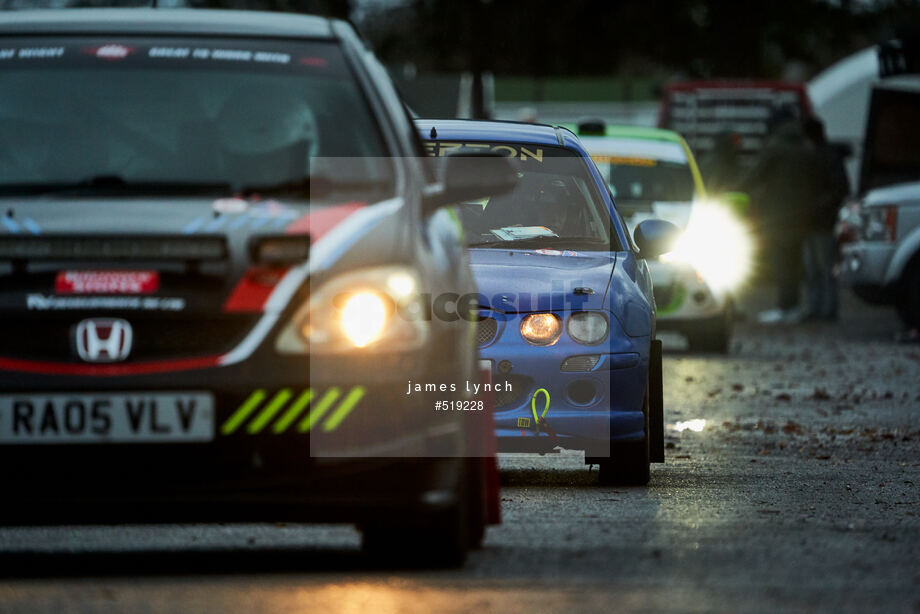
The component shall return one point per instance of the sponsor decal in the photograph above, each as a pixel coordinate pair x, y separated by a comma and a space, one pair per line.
314, 62
624, 161
44, 302
179, 53
510, 150
113, 52
229, 55
107, 282
230, 205
555, 252
31, 53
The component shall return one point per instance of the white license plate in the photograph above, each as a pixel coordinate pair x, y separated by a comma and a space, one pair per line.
124, 417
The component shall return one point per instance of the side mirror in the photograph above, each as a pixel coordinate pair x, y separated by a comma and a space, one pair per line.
470, 175
655, 237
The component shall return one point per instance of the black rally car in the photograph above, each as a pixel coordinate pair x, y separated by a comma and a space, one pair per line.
213, 225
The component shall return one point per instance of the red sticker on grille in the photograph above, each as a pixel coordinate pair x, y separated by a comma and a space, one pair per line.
107, 282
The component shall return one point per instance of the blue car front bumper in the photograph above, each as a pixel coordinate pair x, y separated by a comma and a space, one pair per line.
596, 393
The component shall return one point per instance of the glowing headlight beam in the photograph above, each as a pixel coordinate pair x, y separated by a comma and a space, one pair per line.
363, 318
716, 244
401, 284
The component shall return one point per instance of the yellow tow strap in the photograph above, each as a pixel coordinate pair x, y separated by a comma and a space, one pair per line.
533, 405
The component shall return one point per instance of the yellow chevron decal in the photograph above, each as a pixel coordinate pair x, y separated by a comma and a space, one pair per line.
317, 412
293, 411
273, 407
344, 408
240, 415
290, 411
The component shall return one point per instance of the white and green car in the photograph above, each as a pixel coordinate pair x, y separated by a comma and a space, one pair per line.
652, 173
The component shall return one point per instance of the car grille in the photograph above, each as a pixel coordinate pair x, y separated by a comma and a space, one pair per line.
574, 364
485, 331
520, 388
154, 337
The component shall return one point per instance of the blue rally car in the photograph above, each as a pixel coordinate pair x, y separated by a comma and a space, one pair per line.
566, 314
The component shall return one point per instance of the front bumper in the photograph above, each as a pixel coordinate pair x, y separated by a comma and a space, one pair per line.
865, 263
348, 491
596, 393
681, 294
386, 454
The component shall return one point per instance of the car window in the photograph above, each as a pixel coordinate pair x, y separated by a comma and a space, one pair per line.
556, 201
245, 114
648, 180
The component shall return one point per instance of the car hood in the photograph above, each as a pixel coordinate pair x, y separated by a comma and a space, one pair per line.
893, 194
537, 280
229, 223
212, 302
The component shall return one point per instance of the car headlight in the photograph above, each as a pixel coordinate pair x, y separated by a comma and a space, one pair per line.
587, 327
374, 309
716, 244
880, 223
541, 328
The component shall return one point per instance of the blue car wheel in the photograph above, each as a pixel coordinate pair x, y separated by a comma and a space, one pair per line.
628, 464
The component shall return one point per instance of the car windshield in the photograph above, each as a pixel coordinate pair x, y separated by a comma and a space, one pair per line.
84, 115
648, 180
555, 203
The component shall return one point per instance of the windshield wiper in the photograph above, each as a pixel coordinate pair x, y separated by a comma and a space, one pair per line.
524, 242
114, 184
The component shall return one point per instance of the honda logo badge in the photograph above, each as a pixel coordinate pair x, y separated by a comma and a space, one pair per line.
103, 340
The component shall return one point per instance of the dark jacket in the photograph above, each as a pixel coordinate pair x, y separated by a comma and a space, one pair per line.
785, 184
836, 187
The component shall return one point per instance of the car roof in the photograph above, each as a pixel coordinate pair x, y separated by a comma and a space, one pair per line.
498, 132
632, 132
115, 21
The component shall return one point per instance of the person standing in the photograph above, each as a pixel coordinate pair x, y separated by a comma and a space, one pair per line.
784, 184
721, 168
819, 251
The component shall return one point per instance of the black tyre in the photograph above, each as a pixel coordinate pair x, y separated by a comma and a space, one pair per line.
908, 297
440, 539
655, 405
628, 464
477, 500
874, 295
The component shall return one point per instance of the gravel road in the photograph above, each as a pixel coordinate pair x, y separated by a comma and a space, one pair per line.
792, 482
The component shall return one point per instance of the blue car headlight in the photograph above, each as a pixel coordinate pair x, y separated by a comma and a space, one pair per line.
588, 327
541, 328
